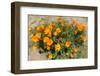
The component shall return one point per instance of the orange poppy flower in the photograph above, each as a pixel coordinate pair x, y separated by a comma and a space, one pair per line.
34, 38
38, 35
58, 30
40, 27
45, 39
50, 56
49, 34
50, 26
57, 47
49, 42
68, 43
48, 47
47, 30
55, 33
81, 27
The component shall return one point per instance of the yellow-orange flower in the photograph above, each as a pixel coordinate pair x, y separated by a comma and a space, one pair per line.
50, 56
34, 38
40, 27
57, 47
68, 43
55, 33
49, 34
45, 39
35, 47
47, 30
48, 47
50, 26
84, 38
58, 30
81, 27
38, 35
49, 42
